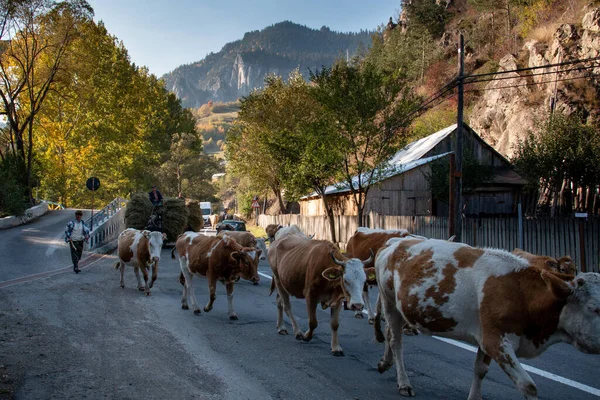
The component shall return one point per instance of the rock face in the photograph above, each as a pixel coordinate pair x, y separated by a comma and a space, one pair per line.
504, 114
243, 65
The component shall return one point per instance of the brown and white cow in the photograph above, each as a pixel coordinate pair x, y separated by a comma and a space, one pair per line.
291, 230
271, 230
360, 245
487, 297
141, 250
563, 265
314, 270
247, 239
218, 258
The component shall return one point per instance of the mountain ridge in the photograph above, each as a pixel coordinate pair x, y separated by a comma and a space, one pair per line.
241, 66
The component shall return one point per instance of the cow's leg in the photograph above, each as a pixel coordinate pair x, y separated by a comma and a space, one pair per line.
145, 275
154, 273
280, 325
212, 288
482, 364
311, 307
137, 276
395, 323
232, 314
287, 306
122, 271
377, 321
503, 353
184, 293
336, 349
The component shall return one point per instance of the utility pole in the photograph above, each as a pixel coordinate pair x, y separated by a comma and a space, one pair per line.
457, 144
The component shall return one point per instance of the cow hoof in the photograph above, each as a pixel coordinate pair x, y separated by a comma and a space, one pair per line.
185, 307
197, 311
411, 332
206, 309
282, 331
379, 337
255, 283
382, 367
147, 293
406, 391
338, 353
152, 284
371, 321
299, 336
141, 288
359, 315
233, 317
122, 286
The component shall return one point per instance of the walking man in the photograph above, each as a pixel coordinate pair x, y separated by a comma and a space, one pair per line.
76, 234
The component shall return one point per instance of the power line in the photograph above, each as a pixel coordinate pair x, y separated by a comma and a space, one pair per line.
578, 61
534, 83
537, 74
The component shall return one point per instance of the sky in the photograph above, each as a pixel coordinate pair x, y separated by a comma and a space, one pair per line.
164, 34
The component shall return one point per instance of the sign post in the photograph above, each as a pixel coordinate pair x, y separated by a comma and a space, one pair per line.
92, 184
255, 206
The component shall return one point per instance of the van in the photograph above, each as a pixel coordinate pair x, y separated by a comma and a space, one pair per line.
205, 208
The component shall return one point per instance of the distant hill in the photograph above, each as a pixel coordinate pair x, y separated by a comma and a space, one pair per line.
242, 65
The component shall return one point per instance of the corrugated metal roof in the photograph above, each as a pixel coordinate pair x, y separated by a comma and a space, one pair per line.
388, 172
418, 149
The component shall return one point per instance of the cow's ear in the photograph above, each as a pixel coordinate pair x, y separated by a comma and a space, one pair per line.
235, 255
258, 252
146, 234
332, 273
560, 288
164, 236
371, 276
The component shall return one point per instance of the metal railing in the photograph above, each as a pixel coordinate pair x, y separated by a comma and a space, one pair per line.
107, 212
107, 223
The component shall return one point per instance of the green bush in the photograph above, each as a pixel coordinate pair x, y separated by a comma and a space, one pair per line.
13, 194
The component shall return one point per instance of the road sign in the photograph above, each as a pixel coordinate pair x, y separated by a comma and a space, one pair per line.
255, 204
93, 183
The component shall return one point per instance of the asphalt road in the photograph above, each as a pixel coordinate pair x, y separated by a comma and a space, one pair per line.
68, 336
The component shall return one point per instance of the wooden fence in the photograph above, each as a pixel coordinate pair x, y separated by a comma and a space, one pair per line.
555, 237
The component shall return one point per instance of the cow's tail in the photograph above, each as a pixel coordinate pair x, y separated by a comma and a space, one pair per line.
117, 264
173, 252
272, 286
181, 278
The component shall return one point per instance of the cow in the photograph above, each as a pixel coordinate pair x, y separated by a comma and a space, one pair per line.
262, 246
563, 265
487, 297
360, 245
291, 230
247, 239
214, 220
217, 258
271, 230
141, 250
317, 271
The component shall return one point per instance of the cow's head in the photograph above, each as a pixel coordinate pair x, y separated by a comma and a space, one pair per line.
155, 243
580, 317
353, 274
246, 260
261, 245
566, 265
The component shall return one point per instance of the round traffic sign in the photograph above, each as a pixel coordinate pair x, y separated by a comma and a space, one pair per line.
93, 183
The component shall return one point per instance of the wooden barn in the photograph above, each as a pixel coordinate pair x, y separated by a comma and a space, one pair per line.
404, 188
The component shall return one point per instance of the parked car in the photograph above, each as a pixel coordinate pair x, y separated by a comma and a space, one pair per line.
236, 225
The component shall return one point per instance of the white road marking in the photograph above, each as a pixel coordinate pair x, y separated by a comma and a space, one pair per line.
533, 370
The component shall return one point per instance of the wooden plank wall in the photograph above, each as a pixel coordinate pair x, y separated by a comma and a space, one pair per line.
554, 237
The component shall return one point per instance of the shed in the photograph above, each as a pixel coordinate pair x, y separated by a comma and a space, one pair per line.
402, 187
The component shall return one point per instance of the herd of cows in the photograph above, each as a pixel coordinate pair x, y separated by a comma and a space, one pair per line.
509, 305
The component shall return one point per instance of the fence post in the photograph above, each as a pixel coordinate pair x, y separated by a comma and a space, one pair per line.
520, 217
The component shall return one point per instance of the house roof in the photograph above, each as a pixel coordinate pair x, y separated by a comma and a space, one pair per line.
387, 172
409, 157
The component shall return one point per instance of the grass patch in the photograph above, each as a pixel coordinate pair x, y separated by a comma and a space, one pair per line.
257, 231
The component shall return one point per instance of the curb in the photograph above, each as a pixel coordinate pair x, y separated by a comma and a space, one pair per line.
29, 215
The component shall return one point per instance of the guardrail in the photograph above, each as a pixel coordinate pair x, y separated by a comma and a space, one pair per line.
107, 223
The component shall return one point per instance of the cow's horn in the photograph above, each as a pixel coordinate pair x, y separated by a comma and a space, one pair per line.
335, 260
370, 259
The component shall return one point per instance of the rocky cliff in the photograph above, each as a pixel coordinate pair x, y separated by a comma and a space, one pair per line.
242, 65
504, 114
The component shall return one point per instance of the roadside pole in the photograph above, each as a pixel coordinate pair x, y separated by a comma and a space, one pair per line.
457, 144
